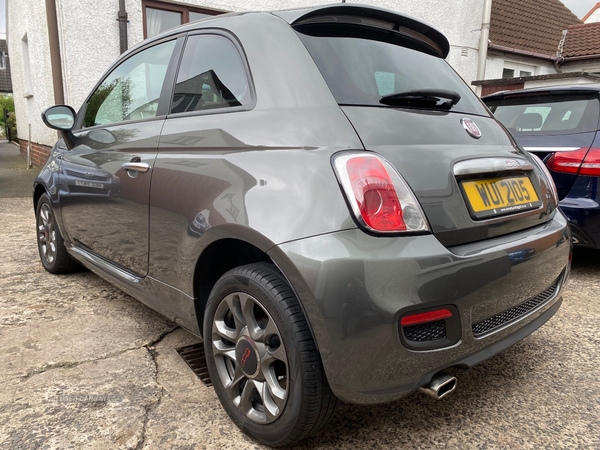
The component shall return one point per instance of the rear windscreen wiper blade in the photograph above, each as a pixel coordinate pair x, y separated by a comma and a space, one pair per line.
422, 98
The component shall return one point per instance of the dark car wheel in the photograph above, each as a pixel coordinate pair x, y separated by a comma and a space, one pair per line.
51, 246
262, 359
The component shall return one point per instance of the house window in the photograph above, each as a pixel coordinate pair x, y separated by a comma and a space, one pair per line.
162, 16
3, 57
508, 73
517, 70
26, 67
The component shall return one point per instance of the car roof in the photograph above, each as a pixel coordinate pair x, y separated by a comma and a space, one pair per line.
334, 13
546, 91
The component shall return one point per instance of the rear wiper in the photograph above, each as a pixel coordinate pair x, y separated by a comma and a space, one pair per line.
422, 98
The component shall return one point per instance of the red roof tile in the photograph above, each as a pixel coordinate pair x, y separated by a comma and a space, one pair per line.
530, 25
582, 40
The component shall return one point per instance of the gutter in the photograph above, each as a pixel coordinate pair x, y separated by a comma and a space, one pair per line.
500, 48
581, 58
55, 59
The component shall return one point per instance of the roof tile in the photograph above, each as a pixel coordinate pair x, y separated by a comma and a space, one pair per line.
582, 40
530, 25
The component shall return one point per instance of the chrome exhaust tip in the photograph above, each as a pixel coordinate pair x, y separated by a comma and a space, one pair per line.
441, 385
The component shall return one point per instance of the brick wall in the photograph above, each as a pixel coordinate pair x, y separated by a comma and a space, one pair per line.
39, 152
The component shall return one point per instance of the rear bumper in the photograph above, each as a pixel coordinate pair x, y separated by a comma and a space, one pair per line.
585, 222
582, 208
354, 288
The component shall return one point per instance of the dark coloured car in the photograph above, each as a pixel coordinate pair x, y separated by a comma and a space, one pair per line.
560, 125
318, 196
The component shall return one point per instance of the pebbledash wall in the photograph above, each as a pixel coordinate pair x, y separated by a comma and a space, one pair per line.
89, 43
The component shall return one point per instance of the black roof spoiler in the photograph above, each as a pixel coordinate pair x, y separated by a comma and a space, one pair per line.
369, 16
578, 89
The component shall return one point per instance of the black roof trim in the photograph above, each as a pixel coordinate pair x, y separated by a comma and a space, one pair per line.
429, 35
575, 89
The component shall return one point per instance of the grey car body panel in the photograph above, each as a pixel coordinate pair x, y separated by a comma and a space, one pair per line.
264, 176
354, 286
425, 156
219, 161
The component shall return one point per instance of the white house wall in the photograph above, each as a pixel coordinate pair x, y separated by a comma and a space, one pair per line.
496, 62
594, 17
29, 18
459, 20
89, 44
592, 66
89, 38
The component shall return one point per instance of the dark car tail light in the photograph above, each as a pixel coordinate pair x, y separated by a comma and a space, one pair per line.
591, 163
549, 180
582, 162
379, 198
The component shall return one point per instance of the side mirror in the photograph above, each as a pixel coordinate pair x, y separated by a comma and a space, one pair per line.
61, 118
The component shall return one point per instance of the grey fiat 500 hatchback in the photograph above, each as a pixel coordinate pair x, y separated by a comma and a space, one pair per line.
318, 196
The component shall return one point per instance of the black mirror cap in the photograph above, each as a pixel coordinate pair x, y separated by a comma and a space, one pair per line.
59, 117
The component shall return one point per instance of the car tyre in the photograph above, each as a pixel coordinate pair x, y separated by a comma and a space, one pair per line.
262, 359
51, 246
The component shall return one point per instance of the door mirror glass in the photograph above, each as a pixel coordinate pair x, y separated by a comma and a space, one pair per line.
60, 117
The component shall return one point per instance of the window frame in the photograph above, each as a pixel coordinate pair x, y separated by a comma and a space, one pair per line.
240, 50
166, 91
184, 9
518, 67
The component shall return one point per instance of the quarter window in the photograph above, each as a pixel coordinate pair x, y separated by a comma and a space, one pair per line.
211, 76
132, 90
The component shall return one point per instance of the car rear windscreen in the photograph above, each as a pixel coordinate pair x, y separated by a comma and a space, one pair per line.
361, 70
548, 115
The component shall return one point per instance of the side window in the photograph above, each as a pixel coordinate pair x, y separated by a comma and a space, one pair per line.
132, 90
211, 76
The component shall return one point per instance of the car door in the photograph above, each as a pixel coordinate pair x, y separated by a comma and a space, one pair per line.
105, 177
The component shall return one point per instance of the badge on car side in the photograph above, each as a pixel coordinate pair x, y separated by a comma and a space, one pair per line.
471, 127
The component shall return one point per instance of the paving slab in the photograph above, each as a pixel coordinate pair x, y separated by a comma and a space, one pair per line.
15, 179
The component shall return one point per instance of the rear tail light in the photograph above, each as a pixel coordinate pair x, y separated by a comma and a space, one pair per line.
582, 162
549, 180
379, 198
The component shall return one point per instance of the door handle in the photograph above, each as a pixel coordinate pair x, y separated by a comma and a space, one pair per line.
137, 166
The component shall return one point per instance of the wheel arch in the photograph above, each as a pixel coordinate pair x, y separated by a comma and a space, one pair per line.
218, 258
225, 254
39, 189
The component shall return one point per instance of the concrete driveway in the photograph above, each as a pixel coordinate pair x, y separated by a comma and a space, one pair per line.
86, 366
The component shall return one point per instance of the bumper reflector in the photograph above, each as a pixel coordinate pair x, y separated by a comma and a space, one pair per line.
429, 316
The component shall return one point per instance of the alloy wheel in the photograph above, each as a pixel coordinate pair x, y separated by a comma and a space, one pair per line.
46, 234
250, 357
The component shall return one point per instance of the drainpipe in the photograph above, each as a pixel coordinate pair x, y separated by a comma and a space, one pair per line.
54, 42
122, 18
559, 58
484, 38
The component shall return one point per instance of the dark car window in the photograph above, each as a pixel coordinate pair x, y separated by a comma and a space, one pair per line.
359, 71
547, 115
211, 75
132, 90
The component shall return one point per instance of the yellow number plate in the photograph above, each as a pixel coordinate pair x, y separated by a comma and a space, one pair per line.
499, 196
